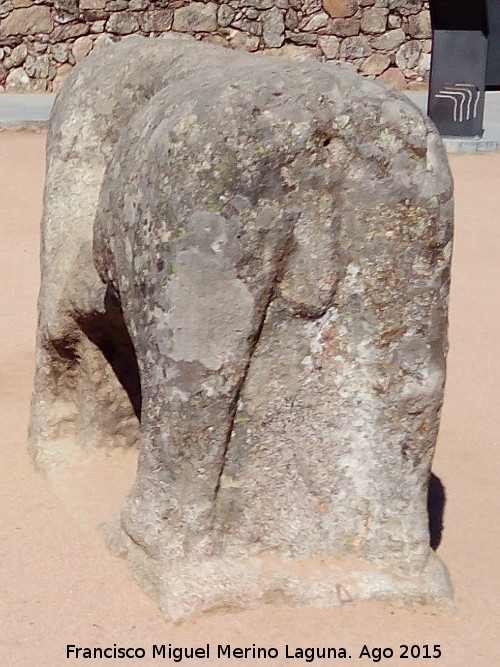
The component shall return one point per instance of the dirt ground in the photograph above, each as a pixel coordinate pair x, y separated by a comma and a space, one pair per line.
60, 586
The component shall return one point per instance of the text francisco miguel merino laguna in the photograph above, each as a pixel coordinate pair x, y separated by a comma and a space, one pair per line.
178, 653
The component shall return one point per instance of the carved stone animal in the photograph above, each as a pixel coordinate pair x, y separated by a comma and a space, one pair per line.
250, 257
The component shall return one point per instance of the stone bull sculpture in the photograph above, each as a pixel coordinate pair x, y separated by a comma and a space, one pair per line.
250, 257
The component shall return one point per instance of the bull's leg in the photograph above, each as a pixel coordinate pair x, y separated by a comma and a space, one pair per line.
194, 350
87, 390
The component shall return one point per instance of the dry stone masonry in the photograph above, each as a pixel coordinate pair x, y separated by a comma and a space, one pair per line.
40, 41
245, 268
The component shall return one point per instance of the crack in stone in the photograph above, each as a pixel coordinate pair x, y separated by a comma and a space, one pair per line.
288, 247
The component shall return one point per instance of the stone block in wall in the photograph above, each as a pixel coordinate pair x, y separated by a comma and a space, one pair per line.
314, 22
273, 27
5, 8
374, 20
426, 45
251, 13
408, 54
340, 8
241, 41
291, 19
355, 47
37, 67
92, 15
225, 15
116, 5
406, 7
122, 23
156, 20
343, 27
307, 7
21, 3
82, 47
394, 21
27, 21
37, 48
419, 26
394, 78
68, 31
375, 64
66, 6
259, 4
60, 52
17, 80
424, 64
10, 41
62, 74
92, 4
16, 57
196, 17
329, 45
302, 38
39, 85
390, 40
97, 27
249, 26
138, 5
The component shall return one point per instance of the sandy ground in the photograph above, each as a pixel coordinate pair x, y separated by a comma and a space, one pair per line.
60, 586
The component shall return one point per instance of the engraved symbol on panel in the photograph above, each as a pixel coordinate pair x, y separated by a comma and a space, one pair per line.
465, 98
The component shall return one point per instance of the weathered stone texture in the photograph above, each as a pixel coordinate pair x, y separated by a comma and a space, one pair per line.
196, 17
266, 285
273, 27
355, 47
375, 64
394, 78
16, 57
419, 26
344, 28
157, 20
17, 80
330, 45
82, 47
27, 21
374, 20
340, 8
122, 23
390, 40
408, 55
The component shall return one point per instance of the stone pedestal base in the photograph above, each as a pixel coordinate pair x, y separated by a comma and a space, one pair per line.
185, 590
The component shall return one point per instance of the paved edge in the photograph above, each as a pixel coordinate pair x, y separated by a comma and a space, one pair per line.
460, 145
38, 125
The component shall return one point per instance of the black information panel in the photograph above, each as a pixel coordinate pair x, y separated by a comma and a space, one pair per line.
493, 66
459, 65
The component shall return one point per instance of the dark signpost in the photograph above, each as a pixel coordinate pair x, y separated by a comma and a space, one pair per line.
465, 59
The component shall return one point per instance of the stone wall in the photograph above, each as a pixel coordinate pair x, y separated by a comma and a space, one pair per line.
40, 41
